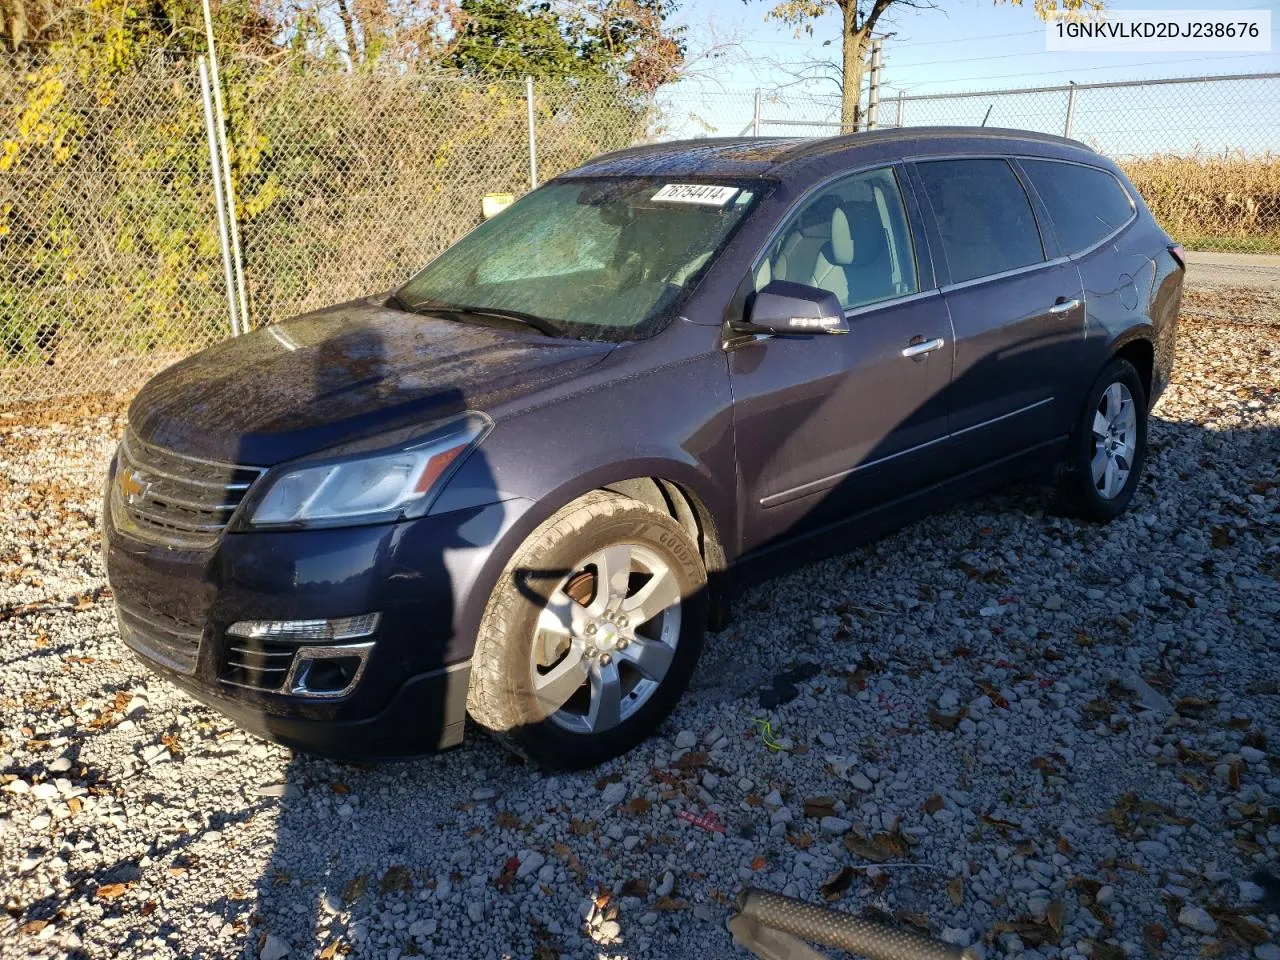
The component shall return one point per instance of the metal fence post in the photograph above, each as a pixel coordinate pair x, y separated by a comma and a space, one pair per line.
873, 87
533, 135
1071, 108
901, 104
755, 116
223, 238
228, 187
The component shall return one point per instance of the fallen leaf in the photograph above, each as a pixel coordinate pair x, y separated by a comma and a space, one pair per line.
668, 904
801, 841
835, 886
879, 848
508, 873
397, 878
933, 804
1054, 915
1195, 707
955, 891
635, 887
759, 863
32, 927
110, 891
692, 761
329, 952
637, 806
339, 788
354, 888
819, 807
1064, 847
608, 778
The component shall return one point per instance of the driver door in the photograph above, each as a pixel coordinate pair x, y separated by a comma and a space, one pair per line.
830, 426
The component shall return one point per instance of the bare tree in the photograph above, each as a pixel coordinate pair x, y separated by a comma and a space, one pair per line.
859, 19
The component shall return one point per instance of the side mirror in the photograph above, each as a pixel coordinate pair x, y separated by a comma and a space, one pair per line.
791, 309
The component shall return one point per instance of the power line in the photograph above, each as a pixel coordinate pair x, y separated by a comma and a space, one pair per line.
1043, 73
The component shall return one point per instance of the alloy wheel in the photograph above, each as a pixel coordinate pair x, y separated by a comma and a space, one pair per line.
605, 639
1115, 440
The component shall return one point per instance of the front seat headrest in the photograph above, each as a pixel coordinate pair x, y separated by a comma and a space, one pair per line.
841, 238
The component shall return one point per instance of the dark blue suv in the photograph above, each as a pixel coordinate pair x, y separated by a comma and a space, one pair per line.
523, 484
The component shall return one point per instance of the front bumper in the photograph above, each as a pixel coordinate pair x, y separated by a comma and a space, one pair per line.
425, 576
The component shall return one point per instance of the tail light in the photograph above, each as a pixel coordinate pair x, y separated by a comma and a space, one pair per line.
1178, 254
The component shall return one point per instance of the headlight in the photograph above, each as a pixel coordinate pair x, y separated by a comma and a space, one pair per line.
387, 485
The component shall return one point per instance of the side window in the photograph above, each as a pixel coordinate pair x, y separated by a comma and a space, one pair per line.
1084, 203
851, 238
984, 216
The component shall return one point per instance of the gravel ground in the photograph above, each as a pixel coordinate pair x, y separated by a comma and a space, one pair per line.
1054, 737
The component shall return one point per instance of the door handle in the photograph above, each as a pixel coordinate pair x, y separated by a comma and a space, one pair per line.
1064, 306
918, 347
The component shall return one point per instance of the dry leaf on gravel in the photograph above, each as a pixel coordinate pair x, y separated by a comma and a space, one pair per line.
834, 887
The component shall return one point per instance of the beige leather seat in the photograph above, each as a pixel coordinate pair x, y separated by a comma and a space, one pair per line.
799, 252
833, 257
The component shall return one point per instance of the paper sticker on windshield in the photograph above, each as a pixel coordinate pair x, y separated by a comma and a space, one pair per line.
711, 195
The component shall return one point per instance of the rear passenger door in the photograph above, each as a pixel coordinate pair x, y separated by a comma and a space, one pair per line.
1089, 210
1017, 310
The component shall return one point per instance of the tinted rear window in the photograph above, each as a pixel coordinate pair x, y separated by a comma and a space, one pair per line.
1086, 204
984, 216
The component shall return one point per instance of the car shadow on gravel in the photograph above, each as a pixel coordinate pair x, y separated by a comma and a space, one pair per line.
383, 858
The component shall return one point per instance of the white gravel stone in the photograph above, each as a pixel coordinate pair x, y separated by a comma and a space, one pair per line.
1197, 919
1182, 602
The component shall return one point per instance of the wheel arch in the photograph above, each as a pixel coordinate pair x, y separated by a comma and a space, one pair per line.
1137, 345
678, 489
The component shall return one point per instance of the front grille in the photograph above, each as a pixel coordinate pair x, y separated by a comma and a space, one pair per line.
256, 664
175, 499
169, 642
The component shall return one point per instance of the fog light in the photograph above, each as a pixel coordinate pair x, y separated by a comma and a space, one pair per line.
330, 671
343, 628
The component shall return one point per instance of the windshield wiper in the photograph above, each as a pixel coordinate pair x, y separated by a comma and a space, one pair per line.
540, 324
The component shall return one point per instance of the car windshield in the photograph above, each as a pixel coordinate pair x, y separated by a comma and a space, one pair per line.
601, 259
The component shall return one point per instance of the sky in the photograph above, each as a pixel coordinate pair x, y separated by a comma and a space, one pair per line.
976, 45
963, 44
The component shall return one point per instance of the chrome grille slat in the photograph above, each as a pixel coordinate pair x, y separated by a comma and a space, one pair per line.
160, 638
236, 665
256, 664
172, 627
178, 500
261, 653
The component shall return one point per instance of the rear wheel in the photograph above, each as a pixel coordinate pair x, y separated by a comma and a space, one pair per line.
591, 633
1108, 446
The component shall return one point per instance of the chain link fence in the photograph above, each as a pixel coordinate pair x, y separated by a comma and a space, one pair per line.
110, 261
1202, 151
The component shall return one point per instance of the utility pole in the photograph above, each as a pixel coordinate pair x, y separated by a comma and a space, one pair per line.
873, 94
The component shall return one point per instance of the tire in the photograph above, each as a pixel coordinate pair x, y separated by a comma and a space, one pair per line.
548, 630
1081, 491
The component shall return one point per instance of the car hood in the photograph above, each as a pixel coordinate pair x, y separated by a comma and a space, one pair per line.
343, 374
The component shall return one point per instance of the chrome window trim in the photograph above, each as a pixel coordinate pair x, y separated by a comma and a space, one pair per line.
813, 486
1016, 271
891, 302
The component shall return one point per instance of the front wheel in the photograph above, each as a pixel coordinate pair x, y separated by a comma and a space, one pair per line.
1108, 446
591, 633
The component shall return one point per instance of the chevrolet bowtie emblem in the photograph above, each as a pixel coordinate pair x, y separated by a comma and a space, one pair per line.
132, 486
